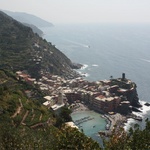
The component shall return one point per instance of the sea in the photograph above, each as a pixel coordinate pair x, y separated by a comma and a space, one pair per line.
107, 50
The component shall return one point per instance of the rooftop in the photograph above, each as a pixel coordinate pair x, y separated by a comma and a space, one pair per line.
71, 124
49, 98
103, 98
56, 106
46, 103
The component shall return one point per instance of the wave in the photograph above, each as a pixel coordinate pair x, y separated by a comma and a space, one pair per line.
129, 124
84, 67
146, 60
87, 46
77, 43
85, 74
94, 65
144, 111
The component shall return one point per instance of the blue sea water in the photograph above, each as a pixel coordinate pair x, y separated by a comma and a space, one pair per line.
92, 126
108, 50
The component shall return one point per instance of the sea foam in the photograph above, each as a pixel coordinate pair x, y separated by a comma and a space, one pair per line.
84, 67
146, 60
77, 43
144, 111
95, 65
144, 108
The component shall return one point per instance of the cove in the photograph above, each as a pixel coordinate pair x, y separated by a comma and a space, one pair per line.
90, 123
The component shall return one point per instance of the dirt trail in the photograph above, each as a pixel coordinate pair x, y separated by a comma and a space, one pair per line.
18, 110
24, 117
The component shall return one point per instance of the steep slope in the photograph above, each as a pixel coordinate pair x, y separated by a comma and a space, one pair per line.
21, 49
34, 28
15, 105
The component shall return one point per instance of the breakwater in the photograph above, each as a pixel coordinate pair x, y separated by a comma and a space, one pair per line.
84, 119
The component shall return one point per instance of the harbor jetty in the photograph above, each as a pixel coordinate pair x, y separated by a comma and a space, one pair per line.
85, 119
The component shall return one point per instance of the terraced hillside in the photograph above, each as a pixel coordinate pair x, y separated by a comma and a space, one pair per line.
26, 124
16, 106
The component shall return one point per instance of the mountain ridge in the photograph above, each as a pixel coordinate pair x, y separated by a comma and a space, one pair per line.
34, 28
28, 18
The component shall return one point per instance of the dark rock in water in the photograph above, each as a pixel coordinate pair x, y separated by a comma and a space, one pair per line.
147, 104
137, 118
76, 66
136, 109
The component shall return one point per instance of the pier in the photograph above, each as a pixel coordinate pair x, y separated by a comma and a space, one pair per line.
85, 119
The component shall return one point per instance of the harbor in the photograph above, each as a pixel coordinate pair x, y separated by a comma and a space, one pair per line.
89, 122
95, 124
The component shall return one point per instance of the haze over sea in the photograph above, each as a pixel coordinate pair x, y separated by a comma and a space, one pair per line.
108, 50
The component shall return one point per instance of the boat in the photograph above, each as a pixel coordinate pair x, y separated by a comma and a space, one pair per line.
107, 127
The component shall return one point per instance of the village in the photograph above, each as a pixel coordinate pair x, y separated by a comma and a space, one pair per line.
106, 97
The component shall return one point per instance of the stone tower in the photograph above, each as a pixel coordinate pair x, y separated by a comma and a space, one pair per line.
60, 98
123, 76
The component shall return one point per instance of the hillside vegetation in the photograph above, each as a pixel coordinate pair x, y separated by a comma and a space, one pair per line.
24, 122
21, 49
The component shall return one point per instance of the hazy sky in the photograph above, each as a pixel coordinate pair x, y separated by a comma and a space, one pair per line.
82, 11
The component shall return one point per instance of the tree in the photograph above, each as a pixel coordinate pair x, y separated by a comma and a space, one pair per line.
135, 139
63, 117
65, 114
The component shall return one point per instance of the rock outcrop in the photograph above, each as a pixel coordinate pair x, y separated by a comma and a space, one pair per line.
126, 89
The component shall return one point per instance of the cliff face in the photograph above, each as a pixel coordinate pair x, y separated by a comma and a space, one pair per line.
128, 90
132, 96
21, 49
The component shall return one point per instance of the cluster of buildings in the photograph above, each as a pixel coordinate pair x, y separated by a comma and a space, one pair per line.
24, 76
103, 96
